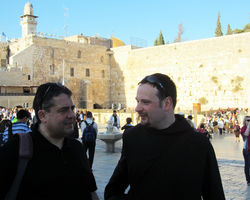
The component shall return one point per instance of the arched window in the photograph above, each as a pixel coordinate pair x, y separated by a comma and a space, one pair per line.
79, 54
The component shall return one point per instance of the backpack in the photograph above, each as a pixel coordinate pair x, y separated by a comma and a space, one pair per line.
89, 133
215, 123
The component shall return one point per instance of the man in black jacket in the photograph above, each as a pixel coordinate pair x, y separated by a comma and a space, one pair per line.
59, 168
163, 157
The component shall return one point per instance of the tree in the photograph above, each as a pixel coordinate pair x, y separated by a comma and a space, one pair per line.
161, 39
247, 28
218, 30
229, 30
180, 33
237, 31
156, 41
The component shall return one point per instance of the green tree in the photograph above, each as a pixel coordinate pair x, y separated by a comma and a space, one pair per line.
156, 41
180, 33
229, 30
247, 28
237, 31
218, 30
167, 42
161, 39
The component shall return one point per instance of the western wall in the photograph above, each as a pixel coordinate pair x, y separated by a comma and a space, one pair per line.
215, 69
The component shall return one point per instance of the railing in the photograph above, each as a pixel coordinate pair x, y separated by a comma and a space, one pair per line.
17, 94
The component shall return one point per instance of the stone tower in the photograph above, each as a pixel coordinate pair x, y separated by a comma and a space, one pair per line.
28, 23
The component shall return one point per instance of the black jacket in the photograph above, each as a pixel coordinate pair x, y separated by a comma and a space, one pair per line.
189, 173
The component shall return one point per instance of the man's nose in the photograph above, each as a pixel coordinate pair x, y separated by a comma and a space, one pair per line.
138, 107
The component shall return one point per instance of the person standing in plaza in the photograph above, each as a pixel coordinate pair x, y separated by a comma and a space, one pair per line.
191, 118
163, 157
236, 130
221, 126
19, 126
128, 124
246, 147
59, 167
115, 119
89, 141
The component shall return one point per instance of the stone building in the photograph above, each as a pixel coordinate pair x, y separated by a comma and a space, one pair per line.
105, 72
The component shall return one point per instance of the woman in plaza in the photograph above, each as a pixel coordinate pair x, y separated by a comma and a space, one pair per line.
246, 147
236, 129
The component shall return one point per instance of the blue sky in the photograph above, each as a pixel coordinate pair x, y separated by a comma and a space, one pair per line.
142, 19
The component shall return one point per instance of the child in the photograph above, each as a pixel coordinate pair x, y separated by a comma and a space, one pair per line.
128, 125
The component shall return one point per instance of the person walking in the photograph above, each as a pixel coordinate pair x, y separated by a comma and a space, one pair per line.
246, 147
163, 157
89, 133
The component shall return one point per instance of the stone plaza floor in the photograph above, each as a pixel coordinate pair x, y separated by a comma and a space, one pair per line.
228, 152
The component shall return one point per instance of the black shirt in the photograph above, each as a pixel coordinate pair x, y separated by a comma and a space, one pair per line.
52, 173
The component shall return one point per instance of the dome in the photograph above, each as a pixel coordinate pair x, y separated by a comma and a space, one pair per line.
28, 9
117, 42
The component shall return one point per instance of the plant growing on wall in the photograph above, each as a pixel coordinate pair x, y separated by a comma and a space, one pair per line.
214, 79
237, 87
203, 100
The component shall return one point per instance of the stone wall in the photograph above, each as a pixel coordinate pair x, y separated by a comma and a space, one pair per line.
36, 60
216, 69
13, 101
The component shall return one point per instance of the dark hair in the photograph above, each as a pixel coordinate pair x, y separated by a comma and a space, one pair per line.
190, 117
3, 124
89, 114
44, 96
129, 120
169, 88
202, 126
22, 113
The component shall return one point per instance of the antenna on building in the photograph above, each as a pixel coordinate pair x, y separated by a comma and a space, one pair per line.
66, 25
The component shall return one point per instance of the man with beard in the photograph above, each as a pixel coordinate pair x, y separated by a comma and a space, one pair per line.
58, 168
163, 157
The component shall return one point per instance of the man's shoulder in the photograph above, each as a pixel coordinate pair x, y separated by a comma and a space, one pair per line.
133, 130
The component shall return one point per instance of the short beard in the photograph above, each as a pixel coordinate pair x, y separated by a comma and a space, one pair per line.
147, 123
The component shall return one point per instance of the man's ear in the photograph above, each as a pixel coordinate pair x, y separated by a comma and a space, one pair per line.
42, 115
167, 103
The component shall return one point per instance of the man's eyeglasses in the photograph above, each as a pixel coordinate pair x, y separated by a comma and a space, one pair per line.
154, 80
48, 89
